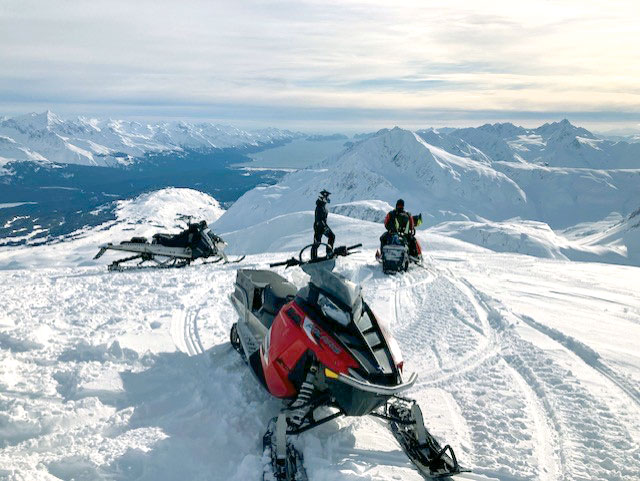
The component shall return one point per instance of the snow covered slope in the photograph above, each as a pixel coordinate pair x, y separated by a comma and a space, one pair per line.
130, 376
534, 239
116, 142
557, 144
393, 163
623, 235
143, 216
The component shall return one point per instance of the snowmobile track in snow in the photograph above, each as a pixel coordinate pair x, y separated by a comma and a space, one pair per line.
184, 330
488, 355
589, 356
581, 423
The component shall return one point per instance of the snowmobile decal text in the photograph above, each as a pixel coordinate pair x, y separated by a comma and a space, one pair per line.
315, 333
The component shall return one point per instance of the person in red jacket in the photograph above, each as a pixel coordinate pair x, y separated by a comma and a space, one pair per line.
401, 222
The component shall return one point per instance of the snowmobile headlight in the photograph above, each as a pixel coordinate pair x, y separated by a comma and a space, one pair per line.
329, 309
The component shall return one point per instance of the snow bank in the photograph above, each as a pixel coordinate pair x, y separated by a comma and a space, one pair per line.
162, 207
530, 238
371, 210
291, 232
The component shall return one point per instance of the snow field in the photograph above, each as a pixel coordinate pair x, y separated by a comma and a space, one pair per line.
528, 367
131, 376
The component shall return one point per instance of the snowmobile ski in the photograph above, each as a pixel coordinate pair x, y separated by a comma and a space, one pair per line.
407, 425
285, 462
236, 261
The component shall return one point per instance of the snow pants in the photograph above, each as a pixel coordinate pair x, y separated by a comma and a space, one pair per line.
320, 230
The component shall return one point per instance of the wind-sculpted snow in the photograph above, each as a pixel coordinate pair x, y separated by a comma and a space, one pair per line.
371, 210
563, 197
623, 235
534, 239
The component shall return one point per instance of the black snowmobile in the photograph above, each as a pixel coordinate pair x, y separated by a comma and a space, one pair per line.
396, 255
171, 250
323, 352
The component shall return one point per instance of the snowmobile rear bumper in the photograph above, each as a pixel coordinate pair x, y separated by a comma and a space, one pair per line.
378, 388
355, 397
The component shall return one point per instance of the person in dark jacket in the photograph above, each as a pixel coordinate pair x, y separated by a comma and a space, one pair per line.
399, 221
320, 227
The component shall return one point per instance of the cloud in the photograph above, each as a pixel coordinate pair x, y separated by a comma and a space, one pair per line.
372, 56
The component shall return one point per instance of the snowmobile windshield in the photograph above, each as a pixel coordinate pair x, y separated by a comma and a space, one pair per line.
331, 310
334, 285
207, 235
396, 240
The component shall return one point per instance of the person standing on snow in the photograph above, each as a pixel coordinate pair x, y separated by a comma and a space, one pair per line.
320, 227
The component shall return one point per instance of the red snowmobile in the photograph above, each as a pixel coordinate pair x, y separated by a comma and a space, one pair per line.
322, 347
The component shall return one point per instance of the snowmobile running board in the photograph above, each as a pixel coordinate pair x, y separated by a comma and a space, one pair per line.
150, 249
175, 256
375, 388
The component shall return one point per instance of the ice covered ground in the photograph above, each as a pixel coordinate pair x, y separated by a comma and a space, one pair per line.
528, 367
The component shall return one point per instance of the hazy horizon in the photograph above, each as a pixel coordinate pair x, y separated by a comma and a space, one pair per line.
329, 127
325, 65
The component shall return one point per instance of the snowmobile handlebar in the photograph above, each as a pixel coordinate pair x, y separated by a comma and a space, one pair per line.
338, 251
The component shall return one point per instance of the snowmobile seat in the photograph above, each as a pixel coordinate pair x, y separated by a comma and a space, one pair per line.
274, 296
172, 240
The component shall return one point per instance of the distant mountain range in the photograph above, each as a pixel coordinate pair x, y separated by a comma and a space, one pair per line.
478, 180
497, 185
57, 176
109, 143
490, 172
557, 144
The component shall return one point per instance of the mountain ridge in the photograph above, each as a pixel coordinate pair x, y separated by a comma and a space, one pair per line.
90, 141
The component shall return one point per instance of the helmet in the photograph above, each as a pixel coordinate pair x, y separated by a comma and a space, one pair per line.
324, 195
400, 204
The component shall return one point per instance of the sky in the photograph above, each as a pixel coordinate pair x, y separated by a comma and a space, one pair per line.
325, 64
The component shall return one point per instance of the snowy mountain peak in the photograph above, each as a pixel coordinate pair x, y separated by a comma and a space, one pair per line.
504, 129
33, 122
92, 141
562, 130
390, 164
39, 121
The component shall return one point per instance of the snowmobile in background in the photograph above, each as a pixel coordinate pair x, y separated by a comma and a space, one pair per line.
323, 352
396, 255
171, 250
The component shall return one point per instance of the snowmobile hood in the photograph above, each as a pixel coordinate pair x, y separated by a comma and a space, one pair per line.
336, 285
